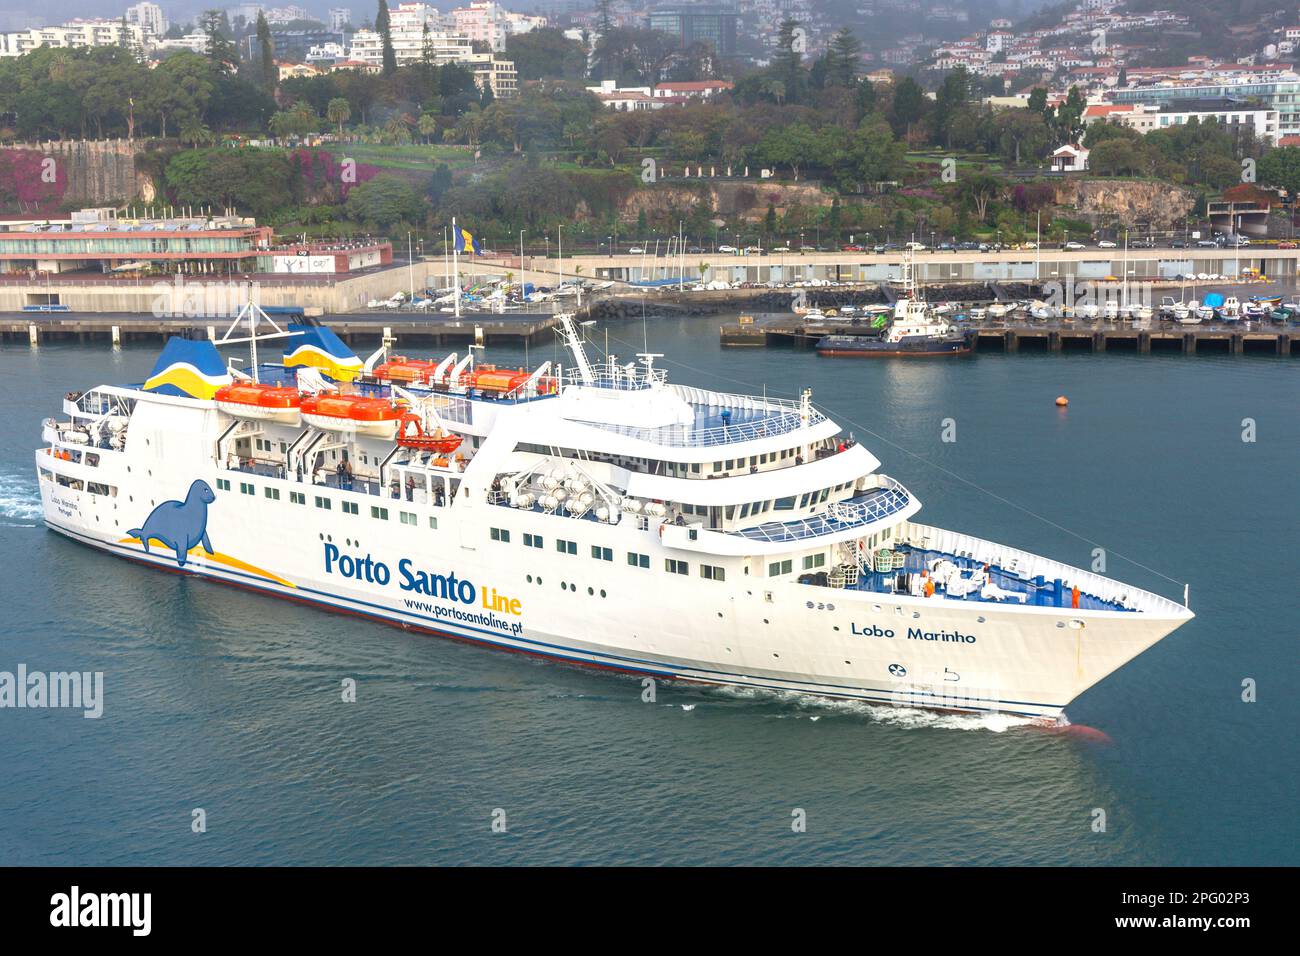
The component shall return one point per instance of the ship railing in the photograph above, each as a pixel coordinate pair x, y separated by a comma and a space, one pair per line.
1029, 567
877, 505
631, 377
687, 436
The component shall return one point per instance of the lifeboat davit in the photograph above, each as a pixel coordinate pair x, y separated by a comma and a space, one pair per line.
263, 402
411, 434
352, 413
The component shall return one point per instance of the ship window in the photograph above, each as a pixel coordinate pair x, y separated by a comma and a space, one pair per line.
825, 494
780, 567
731, 512
717, 466
814, 561
223, 484
273, 494
673, 566
602, 554
350, 507
500, 534
297, 497
785, 504
713, 572
695, 468
245, 488
406, 517
532, 540
566, 547
638, 560
433, 522
744, 510
322, 502
803, 500
377, 512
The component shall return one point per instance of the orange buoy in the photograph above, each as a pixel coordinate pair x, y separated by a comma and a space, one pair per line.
1062, 401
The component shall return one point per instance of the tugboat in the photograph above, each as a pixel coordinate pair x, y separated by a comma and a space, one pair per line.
914, 330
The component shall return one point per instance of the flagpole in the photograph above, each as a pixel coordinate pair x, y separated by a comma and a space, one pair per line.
455, 264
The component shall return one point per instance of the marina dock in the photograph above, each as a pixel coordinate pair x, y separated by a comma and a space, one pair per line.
405, 327
1240, 338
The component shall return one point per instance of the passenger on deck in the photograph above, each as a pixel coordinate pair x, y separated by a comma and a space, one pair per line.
410, 488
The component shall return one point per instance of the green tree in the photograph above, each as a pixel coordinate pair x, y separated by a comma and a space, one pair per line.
843, 58
338, 111
384, 28
1280, 168
384, 201
266, 54
908, 108
787, 62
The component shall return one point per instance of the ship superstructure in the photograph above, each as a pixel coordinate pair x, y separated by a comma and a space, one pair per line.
590, 512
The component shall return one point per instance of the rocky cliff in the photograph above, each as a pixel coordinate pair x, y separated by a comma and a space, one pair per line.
1130, 201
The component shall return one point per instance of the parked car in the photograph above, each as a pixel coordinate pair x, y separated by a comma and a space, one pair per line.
851, 247
1105, 244
916, 246
1206, 243
635, 251
1286, 244
1143, 244
730, 250
1074, 246
807, 249
780, 249
1177, 243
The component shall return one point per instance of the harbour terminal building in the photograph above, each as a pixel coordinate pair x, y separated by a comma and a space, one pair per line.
99, 242
98, 261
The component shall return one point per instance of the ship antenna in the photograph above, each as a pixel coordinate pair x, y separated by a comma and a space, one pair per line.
252, 314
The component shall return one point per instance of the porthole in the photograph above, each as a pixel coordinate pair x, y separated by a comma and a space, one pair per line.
539, 579
766, 621
602, 592
591, 592
530, 579
564, 585
774, 654
810, 605
837, 627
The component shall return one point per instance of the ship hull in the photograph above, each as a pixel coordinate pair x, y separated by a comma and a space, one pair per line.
777, 636
897, 350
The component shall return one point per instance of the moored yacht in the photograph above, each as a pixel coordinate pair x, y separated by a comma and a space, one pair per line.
594, 514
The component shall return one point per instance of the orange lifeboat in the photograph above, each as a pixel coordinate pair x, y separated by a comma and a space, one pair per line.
488, 378
401, 369
352, 413
411, 434
260, 401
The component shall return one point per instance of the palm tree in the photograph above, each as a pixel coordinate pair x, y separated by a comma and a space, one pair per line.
195, 132
427, 125
338, 111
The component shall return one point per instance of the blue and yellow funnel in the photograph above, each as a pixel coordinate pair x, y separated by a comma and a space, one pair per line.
317, 347
190, 367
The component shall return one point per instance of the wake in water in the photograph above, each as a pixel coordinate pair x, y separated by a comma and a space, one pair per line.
909, 717
20, 501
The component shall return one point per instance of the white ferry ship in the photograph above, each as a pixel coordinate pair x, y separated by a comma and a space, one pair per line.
594, 514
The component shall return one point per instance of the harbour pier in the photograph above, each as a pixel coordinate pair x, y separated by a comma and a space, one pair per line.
1156, 337
406, 328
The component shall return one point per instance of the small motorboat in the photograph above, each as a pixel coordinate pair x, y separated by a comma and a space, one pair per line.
259, 401
352, 413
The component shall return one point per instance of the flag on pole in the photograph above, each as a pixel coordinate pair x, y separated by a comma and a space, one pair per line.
465, 240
